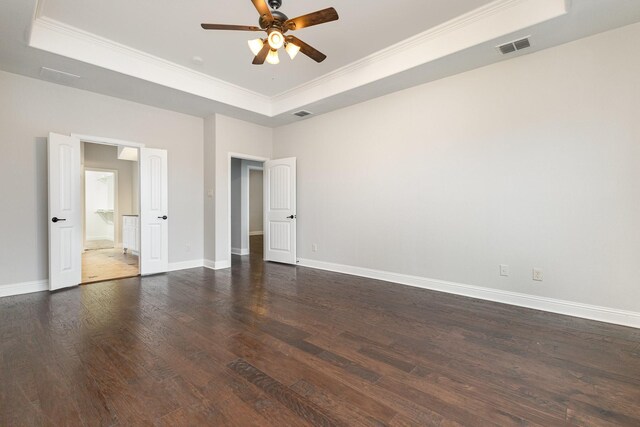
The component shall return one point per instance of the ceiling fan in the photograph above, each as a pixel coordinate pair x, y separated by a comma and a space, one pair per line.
276, 24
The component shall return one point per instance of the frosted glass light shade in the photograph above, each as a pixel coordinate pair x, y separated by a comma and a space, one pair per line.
292, 50
255, 45
272, 58
276, 39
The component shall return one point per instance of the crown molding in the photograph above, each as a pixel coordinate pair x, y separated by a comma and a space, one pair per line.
481, 25
62, 39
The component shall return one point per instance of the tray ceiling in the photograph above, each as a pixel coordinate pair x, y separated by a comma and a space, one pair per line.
142, 50
171, 30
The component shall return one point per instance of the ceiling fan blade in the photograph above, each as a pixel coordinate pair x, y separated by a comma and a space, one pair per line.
315, 18
262, 55
310, 51
230, 27
263, 10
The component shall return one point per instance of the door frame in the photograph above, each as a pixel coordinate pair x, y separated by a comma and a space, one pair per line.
107, 141
116, 208
241, 156
112, 142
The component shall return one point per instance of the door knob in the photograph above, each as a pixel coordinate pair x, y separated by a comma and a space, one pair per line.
162, 217
56, 219
291, 217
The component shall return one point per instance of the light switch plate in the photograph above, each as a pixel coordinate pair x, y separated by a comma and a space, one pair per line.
504, 270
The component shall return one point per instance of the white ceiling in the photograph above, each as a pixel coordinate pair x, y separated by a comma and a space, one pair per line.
141, 50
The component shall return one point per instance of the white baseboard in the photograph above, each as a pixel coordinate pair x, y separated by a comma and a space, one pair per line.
569, 308
256, 233
24, 288
238, 251
185, 265
216, 265
43, 285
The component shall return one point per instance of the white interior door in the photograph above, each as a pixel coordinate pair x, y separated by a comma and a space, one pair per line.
154, 220
65, 212
280, 210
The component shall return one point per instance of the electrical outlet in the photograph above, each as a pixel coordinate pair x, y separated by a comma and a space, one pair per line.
188, 247
210, 193
314, 247
537, 275
504, 270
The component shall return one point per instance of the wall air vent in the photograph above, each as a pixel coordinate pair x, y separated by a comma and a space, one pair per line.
302, 113
522, 44
514, 46
57, 76
507, 48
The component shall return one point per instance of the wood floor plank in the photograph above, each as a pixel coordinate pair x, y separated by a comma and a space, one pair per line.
264, 344
304, 408
335, 405
295, 365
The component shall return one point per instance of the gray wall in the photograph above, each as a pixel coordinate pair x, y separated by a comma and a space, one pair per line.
229, 136
531, 162
236, 205
255, 201
240, 198
30, 109
209, 183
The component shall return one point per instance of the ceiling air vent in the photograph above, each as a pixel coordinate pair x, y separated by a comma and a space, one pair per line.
514, 46
302, 113
58, 76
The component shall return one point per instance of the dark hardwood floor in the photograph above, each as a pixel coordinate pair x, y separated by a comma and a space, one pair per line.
274, 345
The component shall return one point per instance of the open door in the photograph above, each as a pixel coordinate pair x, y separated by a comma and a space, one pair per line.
280, 210
154, 220
65, 212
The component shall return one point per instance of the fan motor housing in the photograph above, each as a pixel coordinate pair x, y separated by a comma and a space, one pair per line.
279, 19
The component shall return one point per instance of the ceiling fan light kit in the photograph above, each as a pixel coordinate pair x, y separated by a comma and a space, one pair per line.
256, 45
272, 57
276, 24
276, 39
292, 50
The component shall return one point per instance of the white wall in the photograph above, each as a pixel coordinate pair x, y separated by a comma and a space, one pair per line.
532, 162
255, 201
30, 109
100, 197
106, 157
232, 136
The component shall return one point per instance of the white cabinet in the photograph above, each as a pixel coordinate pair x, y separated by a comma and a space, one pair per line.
131, 234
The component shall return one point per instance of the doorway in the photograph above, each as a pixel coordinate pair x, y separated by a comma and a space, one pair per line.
246, 213
256, 213
100, 195
111, 212
66, 161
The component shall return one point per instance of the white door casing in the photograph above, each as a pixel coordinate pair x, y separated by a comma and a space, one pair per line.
65, 212
154, 220
280, 210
